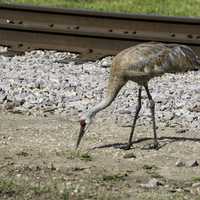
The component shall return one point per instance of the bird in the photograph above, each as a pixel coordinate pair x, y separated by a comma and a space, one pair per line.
141, 63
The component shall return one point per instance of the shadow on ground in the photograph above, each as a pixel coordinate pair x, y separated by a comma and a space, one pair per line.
165, 140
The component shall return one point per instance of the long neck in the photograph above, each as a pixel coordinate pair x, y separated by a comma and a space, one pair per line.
113, 89
102, 105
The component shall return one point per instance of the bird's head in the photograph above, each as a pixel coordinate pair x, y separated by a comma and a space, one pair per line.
85, 121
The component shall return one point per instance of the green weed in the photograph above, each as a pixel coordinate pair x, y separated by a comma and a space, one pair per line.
82, 156
160, 7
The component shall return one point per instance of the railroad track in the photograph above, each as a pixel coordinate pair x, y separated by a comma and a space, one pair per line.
92, 34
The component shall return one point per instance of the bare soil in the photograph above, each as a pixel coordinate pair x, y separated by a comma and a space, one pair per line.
38, 161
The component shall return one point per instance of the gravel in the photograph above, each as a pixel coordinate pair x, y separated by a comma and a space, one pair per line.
36, 83
152, 183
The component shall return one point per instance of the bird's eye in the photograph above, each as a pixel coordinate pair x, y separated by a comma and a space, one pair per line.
82, 122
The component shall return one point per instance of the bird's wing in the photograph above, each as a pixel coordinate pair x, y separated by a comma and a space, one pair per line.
152, 63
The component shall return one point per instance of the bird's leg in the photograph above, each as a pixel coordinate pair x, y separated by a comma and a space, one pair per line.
135, 119
152, 107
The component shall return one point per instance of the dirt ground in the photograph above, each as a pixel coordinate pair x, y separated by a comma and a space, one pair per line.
38, 161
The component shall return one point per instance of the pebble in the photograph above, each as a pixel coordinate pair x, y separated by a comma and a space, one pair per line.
195, 191
3, 49
180, 163
36, 81
182, 130
192, 163
18, 175
152, 183
129, 155
197, 184
106, 62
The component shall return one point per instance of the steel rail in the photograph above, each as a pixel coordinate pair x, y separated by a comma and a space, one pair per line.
29, 27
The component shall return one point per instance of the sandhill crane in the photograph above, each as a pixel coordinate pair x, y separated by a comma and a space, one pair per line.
140, 63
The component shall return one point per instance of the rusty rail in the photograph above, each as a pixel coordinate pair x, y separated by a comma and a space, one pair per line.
90, 33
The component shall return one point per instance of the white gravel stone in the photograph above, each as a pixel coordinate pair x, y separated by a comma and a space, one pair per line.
192, 163
197, 184
36, 81
180, 163
152, 183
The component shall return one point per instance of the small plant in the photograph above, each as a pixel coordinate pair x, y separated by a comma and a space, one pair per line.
40, 189
8, 187
81, 156
66, 194
196, 179
115, 177
86, 157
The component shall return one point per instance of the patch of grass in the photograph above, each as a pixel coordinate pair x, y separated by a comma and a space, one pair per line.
161, 7
53, 190
21, 189
82, 156
160, 196
85, 191
66, 194
86, 157
115, 177
9, 188
105, 195
41, 189
196, 179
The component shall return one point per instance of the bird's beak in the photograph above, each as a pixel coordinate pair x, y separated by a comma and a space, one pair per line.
81, 133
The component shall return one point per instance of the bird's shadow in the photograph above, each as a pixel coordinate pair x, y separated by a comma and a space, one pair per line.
165, 140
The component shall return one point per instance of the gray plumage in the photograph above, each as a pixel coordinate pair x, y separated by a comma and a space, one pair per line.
141, 63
